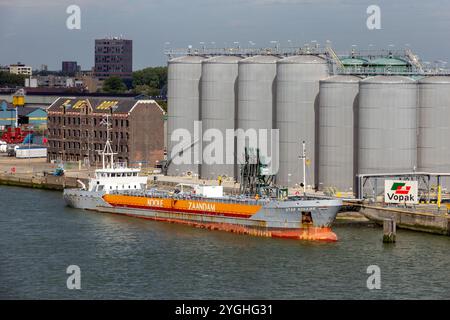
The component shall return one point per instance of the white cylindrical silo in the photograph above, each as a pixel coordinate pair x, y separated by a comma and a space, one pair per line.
387, 127
256, 99
338, 104
296, 115
183, 104
433, 154
219, 103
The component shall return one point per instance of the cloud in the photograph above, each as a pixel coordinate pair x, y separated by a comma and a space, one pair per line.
59, 3
300, 2
28, 3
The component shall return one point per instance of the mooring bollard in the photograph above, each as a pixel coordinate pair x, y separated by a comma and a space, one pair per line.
389, 231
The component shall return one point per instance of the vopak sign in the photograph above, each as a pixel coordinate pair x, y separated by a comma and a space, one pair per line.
397, 191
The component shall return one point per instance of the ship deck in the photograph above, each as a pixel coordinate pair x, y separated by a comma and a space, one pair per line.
232, 199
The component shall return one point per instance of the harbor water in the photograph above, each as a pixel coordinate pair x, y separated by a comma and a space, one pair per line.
127, 258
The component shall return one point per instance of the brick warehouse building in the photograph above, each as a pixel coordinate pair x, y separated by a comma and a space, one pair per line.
76, 132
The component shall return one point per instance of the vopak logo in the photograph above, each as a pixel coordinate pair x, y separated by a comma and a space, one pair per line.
400, 192
400, 188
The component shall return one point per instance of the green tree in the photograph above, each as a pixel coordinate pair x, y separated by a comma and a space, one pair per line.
154, 78
11, 80
163, 104
114, 85
145, 89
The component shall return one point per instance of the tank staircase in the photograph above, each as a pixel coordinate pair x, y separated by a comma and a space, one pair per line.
414, 60
334, 60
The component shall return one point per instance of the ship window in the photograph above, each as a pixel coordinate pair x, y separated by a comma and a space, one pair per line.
100, 188
306, 217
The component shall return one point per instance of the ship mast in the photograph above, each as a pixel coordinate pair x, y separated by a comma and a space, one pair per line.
107, 152
303, 157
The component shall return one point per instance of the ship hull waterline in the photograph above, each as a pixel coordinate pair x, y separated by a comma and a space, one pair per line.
266, 222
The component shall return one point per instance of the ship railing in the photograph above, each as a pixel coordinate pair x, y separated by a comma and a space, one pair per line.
119, 165
166, 195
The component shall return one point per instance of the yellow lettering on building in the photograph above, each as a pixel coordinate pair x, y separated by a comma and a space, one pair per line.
107, 105
80, 104
66, 103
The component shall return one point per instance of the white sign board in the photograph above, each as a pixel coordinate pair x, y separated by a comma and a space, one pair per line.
398, 191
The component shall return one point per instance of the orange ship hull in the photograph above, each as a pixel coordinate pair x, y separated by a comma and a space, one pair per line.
238, 218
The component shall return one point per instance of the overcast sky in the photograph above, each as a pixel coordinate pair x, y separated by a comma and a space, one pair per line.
34, 31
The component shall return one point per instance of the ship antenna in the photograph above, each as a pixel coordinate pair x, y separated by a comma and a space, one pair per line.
107, 150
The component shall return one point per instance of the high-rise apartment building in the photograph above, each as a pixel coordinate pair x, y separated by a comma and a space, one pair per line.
113, 57
70, 68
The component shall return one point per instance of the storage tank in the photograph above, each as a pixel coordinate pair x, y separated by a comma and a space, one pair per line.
256, 98
434, 126
387, 128
219, 102
183, 100
338, 105
297, 105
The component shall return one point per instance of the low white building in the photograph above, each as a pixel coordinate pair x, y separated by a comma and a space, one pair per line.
20, 68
